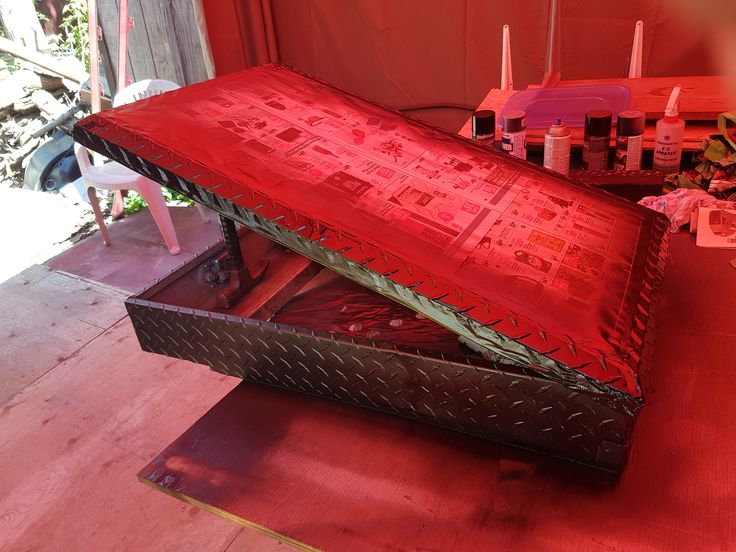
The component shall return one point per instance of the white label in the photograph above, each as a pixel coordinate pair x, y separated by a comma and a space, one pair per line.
514, 144
628, 153
557, 153
667, 156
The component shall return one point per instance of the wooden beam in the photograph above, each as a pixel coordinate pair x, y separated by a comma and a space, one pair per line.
44, 61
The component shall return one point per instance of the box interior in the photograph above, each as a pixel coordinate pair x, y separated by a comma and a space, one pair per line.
297, 292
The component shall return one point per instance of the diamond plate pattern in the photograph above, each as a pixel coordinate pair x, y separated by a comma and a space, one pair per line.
515, 350
500, 402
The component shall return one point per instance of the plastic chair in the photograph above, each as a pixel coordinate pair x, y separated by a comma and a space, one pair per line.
114, 176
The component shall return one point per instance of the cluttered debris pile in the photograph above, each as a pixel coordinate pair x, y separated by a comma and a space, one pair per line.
42, 95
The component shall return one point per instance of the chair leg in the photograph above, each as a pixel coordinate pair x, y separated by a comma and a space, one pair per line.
151, 192
92, 194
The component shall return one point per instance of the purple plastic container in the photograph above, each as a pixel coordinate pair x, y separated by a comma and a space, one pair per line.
544, 105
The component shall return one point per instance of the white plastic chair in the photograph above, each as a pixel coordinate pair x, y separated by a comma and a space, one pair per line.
114, 176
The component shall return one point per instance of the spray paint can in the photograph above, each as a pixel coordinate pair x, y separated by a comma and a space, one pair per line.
596, 140
629, 141
557, 148
484, 127
513, 139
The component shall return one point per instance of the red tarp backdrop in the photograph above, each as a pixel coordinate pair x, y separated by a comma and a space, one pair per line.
435, 51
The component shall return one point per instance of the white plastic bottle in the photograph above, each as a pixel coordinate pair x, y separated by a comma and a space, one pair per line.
669, 135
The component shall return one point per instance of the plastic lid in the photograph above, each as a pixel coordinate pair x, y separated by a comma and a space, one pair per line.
543, 105
598, 123
630, 123
514, 121
484, 122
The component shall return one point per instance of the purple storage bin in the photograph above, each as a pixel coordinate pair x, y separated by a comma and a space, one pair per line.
544, 105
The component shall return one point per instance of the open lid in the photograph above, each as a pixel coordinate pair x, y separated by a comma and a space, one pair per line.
548, 273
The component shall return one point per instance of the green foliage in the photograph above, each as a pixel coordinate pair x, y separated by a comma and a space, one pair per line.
8, 65
75, 34
134, 202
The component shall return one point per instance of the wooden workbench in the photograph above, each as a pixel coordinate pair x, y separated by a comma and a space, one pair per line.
318, 474
702, 99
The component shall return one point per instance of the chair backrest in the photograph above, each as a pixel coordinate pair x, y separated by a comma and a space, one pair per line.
142, 89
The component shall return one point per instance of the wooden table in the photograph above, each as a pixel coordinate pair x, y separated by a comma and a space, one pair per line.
318, 474
702, 99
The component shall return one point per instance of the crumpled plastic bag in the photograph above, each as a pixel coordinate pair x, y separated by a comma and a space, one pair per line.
679, 204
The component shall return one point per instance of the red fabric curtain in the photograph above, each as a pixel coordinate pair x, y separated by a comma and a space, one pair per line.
437, 51
241, 33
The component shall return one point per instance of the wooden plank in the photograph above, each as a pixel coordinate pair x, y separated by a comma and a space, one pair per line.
108, 67
141, 44
340, 478
72, 70
703, 98
107, 19
189, 41
75, 312
157, 18
138, 255
72, 441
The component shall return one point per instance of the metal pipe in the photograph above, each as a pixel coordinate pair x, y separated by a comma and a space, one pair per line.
552, 73
94, 56
124, 25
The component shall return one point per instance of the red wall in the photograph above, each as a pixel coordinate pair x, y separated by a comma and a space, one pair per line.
426, 51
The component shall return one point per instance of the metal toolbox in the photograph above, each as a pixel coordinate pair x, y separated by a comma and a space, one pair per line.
552, 286
341, 341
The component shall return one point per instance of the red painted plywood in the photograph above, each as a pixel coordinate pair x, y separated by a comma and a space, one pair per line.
339, 478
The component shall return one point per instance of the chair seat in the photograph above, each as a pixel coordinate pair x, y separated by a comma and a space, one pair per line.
112, 176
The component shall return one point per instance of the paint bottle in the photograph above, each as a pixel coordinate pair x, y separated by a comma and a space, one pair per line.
484, 127
596, 139
557, 148
668, 137
629, 141
513, 139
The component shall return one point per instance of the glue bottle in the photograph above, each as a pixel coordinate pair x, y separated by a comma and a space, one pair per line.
669, 135
557, 148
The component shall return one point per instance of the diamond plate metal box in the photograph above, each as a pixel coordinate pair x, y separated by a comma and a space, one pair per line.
555, 282
444, 385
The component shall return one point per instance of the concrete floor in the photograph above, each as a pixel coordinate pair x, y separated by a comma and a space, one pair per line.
82, 409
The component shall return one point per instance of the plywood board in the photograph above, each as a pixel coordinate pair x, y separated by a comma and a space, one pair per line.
71, 442
338, 478
45, 318
702, 98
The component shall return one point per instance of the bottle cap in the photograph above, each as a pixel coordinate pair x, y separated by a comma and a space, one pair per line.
598, 123
630, 123
559, 128
514, 121
484, 122
673, 104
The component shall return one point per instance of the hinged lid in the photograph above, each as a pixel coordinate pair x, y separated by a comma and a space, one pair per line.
548, 273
